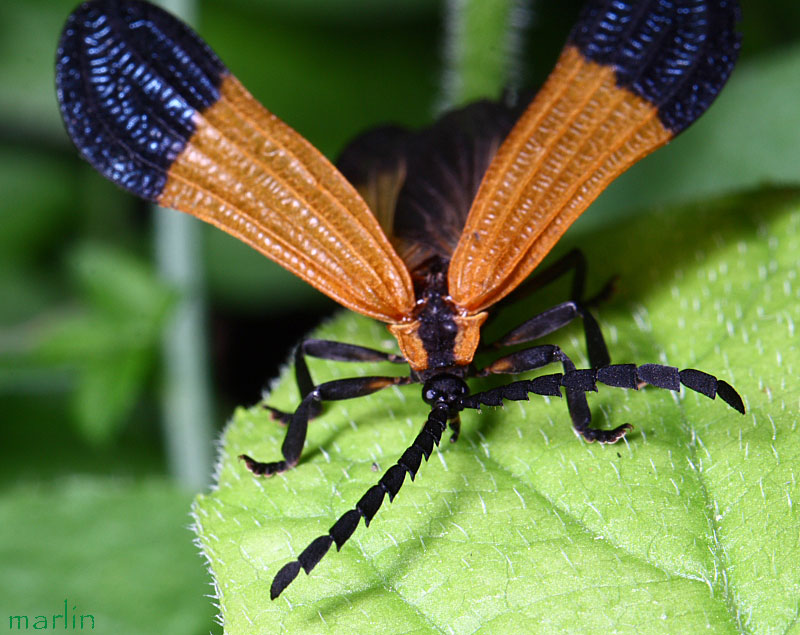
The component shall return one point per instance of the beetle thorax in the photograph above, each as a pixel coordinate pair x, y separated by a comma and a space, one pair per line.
439, 335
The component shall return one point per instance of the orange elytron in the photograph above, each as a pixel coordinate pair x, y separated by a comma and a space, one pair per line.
424, 231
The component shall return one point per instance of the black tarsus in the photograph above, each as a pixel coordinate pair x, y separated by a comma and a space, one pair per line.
556, 318
575, 382
366, 508
455, 428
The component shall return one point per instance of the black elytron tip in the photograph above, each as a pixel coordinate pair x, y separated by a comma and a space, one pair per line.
676, 54
129, 79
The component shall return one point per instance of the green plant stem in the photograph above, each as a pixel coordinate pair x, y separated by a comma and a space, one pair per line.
186, 402
482, 45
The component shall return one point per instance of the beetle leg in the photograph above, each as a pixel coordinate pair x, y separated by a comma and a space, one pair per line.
455, 427
562, 314
536, 357
298, 424
578, 382
333, 351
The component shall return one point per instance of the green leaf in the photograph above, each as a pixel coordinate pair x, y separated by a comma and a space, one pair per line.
687, 525
103, 348
118, 284
119, 551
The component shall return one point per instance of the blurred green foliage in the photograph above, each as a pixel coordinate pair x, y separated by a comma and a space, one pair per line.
81, 307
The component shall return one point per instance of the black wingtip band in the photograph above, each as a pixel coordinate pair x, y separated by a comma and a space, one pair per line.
129, 79
676, 54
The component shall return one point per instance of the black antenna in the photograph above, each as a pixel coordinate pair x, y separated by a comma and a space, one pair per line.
370, 503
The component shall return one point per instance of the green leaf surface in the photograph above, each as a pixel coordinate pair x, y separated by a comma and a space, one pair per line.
688, 525
116, 550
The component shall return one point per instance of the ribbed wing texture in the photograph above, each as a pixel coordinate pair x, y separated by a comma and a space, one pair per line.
152, 108
633, 75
